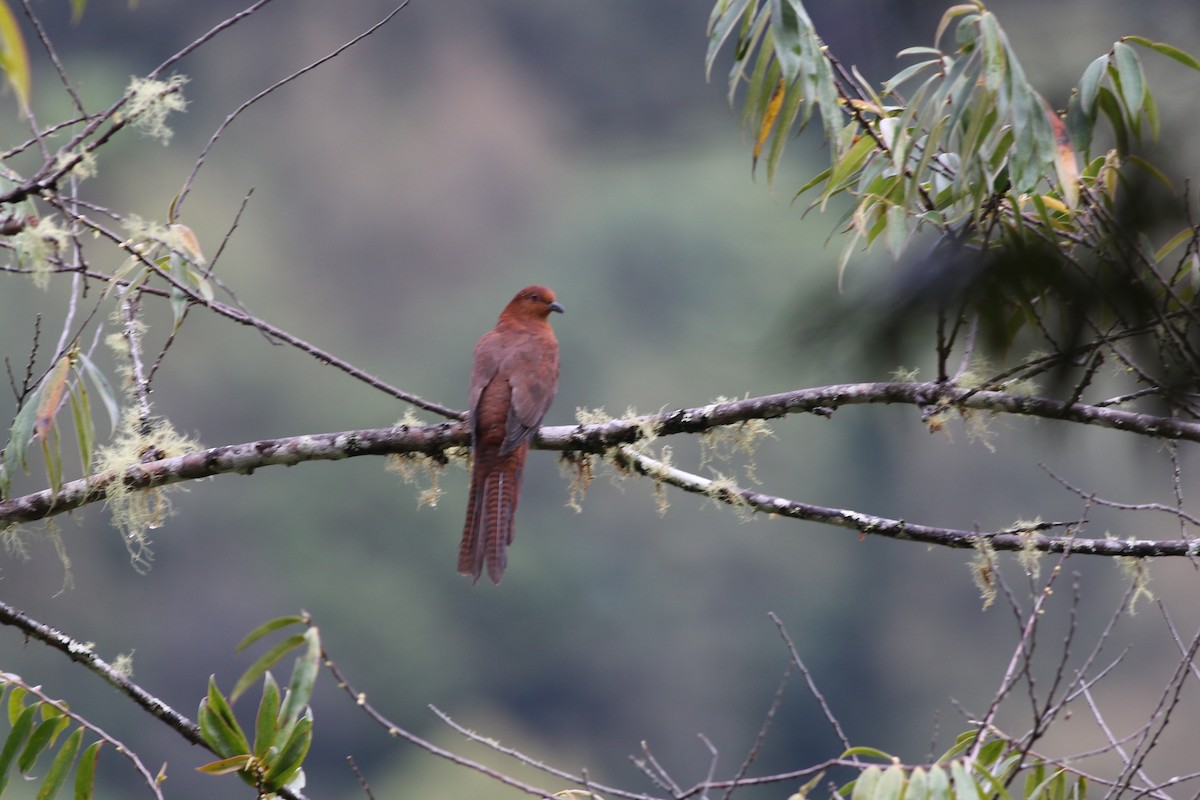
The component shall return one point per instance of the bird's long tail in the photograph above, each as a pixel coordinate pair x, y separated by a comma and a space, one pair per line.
491, 510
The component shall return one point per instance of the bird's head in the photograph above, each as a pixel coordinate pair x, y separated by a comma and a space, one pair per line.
533, 302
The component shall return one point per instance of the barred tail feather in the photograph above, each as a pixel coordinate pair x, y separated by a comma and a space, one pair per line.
491, 513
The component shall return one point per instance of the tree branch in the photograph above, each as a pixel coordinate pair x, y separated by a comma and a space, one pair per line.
608, 437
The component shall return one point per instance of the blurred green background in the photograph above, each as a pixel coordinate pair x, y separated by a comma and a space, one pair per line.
402, 193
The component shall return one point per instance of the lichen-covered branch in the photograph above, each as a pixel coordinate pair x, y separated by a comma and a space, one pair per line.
611, 437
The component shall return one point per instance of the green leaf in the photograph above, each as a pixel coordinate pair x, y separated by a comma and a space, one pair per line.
266, 628
790, 27
225, 765
965, 787
849, 164
1112, 109
897, 230
918, 785
816, 179
791, 108
939, 783
19, 437
1132, 79
16, 705
1079, 126
56, 777
218, 725
43, 736
864, 785
77, 7
891, 784
102, 387
304, 677
85, 773
995, 59
266, 723
179, 305
17, 737
14, 58
868, 752
1184, 235
961, 743
725, 17
949, 16
910, 72
85, 433
1150, 107
264, 663
1167, 50
216, 733
1090, 82
291, 755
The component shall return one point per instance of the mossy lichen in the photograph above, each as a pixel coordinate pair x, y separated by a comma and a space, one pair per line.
983, 570
151, 102
419, 469
137, 511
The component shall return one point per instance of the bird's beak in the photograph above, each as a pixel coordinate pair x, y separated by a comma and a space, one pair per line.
557, 307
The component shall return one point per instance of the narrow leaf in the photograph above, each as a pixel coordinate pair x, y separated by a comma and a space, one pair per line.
217, 733
909, 72
1183, 236
949, 16
264, 663
869, 752
995, 60
16, 705
266, 722
225, 765
790, 25
43, 736
1112, 109
965, 787
85, 773
291, 755
1090, 82
724, 19
1187, 59
304, 677
864, 786
102, 387
768, 121
267, 627
14, 58
1129, 73
891, 784
56, 777
849, 164
85, 433
1066, 167
17, 738
51, 396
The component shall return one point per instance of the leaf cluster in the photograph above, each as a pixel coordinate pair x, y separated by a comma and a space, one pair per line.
65, 385
1034, 229
987, 774
35, 726
283, 723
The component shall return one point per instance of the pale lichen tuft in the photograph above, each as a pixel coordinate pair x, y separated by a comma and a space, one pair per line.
151, 102
1137, 570
36, 244
983, 570
1029, 556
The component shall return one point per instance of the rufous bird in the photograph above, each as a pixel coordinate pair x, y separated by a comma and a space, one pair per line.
513, 380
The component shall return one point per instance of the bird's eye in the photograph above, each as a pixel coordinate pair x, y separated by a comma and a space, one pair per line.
535, 296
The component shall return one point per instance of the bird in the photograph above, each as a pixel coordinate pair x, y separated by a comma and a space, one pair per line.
514, 377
